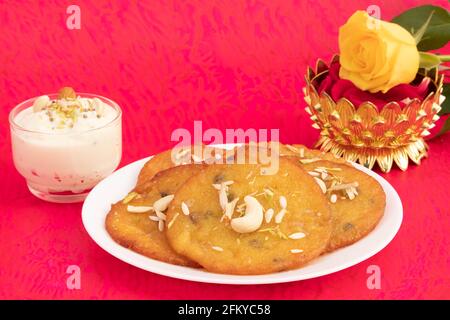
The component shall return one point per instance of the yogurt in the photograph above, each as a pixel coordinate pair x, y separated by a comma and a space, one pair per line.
56, 122
65, 145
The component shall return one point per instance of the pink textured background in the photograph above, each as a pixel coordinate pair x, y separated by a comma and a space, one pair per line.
229, 63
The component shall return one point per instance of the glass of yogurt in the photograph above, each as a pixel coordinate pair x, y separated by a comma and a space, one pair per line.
64, 144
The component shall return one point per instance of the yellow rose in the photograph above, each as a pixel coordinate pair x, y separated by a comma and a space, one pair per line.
376, 55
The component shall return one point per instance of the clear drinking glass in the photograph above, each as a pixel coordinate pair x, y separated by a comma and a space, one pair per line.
64, 166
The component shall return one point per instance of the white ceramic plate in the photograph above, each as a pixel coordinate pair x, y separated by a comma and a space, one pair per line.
118, 184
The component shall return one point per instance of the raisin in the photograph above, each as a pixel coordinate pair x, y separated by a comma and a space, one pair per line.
255, 243
193, 217
230, 197
347, 226
219, 178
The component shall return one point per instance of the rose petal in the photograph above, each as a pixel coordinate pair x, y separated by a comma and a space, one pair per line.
340, 88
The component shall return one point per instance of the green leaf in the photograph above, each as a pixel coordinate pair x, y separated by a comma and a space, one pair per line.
445, 127
444, 57
446, 104
428, 60
418, 35
436, 35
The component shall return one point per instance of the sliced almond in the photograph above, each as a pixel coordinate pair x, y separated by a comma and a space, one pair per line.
173, 220
217, 248
138, 209
333, 198
185, 208
280, 215
344, 186
314, 174
350, 193
160, 215
283, 202
163, 203
321, 184
268, 215
161, 225
311, 160
296, 235
129, 197
302, 152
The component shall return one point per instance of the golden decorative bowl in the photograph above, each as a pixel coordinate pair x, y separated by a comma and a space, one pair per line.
368, 135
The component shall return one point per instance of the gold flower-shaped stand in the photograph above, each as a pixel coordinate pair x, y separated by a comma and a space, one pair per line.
368, 135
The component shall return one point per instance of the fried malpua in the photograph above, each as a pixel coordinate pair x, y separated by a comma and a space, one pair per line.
232, 219
357, 200
143, 232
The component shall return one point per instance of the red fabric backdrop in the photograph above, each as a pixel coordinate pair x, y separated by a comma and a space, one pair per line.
230, 64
